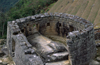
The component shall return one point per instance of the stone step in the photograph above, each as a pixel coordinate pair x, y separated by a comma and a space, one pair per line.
66, 62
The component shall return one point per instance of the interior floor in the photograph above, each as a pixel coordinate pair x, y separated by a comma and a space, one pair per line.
57, 38
49, 50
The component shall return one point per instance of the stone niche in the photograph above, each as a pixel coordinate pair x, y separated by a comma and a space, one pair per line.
49, 38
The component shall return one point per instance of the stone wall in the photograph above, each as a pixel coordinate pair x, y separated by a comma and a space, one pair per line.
81, 46
24, 54
97, 34
48, 23
80, 43
19, 48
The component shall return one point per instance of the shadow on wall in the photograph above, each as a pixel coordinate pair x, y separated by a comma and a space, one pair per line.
59, 29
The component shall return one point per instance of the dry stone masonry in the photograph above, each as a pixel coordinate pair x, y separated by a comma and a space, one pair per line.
29, 43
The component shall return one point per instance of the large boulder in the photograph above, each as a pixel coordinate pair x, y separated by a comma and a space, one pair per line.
49, 50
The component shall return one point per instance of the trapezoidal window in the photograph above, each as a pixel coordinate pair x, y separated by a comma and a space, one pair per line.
48, 24
37, 26
30, 29
27, 24
59, 24
71, 28
22, 30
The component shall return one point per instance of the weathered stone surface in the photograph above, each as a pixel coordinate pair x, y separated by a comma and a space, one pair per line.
80, 48
93, 62
57, 57
24, 34
48, 50
98, 58
59, 63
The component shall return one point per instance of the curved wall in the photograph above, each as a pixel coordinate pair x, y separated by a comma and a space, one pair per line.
81, 33
50, 23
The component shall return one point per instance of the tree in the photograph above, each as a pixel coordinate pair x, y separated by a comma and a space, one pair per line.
3, 20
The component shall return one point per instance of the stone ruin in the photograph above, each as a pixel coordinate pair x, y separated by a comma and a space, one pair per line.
51, 37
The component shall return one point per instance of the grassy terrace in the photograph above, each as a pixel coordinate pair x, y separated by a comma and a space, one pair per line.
87, 9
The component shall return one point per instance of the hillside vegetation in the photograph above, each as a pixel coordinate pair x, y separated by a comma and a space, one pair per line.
5, 5
29, 7
22, 9
87, 9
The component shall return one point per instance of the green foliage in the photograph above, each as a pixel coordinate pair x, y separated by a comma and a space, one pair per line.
22, 9
3, 25
29, 7
5, 5
27, 11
